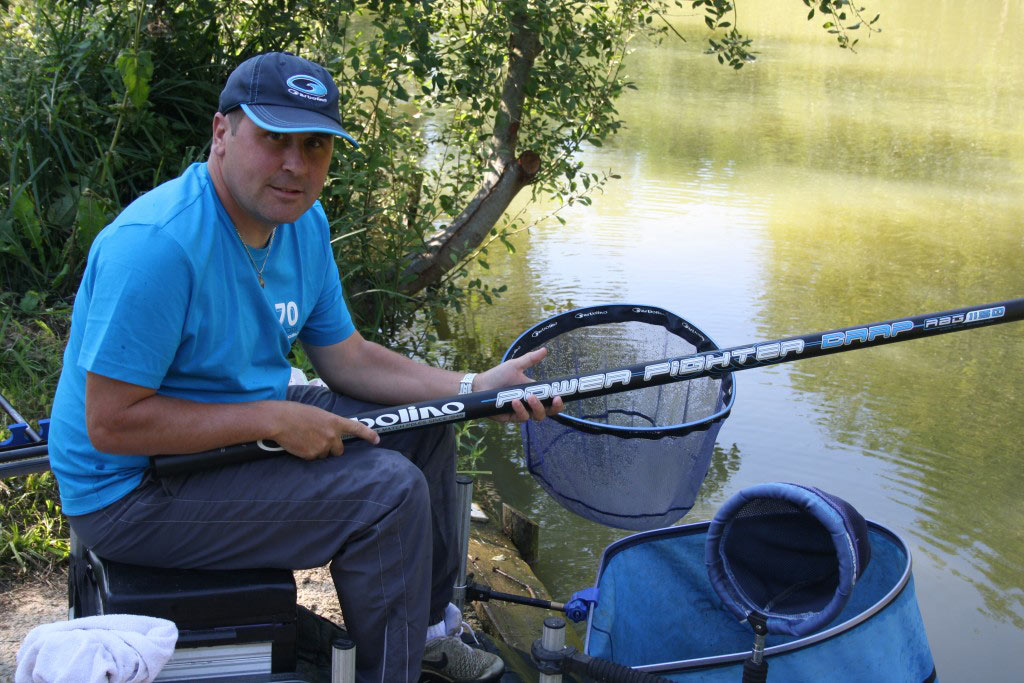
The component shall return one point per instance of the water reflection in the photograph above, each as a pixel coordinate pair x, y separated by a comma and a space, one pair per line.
822, 189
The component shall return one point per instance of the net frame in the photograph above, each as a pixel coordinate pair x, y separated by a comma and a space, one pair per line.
546, 330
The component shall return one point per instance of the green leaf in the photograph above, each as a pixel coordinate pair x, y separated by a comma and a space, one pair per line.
30, 301
91, 217
25, 214
60, 277
136, 69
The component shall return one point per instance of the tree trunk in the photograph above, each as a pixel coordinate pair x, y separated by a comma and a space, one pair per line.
505, 177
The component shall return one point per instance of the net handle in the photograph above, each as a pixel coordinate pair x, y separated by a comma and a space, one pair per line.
640, 376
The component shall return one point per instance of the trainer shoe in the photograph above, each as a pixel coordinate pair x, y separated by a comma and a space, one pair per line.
449, 658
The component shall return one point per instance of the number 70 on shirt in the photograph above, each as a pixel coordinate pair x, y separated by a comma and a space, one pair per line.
287, 312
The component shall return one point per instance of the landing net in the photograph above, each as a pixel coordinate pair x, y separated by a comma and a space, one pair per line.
632, 460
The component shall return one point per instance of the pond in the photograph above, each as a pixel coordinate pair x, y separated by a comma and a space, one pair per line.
812, 190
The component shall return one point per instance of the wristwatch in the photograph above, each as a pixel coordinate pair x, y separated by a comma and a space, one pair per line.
466, 385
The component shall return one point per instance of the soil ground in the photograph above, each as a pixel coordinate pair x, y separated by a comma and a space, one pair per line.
23, 606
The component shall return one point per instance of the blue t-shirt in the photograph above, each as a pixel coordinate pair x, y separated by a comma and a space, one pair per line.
170, 301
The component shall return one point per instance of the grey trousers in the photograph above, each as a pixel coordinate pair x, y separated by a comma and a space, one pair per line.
383, 517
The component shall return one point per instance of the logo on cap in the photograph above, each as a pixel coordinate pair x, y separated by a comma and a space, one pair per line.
308, 87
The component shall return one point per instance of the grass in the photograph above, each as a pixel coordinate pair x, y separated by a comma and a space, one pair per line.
470, 444
33, 532
34, 536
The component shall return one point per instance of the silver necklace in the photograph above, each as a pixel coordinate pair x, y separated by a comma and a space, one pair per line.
258, 269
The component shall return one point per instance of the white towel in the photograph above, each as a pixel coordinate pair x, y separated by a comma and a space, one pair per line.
298, 377
113, 648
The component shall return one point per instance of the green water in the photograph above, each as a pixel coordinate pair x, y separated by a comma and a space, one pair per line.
813, 190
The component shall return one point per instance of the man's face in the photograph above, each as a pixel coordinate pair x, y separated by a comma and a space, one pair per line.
271, 178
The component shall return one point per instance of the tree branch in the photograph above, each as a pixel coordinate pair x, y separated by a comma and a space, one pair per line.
506, 175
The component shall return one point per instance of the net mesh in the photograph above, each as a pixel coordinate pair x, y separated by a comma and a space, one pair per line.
789, 552
781, 558
632, 460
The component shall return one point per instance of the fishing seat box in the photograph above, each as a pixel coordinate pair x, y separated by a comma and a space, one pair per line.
230, 622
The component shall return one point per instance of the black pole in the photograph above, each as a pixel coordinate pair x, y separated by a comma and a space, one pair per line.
22, 466
476, 592
551, 657
714, 363
755, 667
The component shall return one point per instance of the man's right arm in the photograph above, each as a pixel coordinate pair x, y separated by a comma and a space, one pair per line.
124, 418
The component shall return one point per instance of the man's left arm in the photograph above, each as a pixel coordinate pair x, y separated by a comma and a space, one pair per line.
367, 371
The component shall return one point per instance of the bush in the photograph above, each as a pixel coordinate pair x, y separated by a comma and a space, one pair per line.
99, 103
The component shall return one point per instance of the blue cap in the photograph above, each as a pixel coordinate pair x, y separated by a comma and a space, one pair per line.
283, 93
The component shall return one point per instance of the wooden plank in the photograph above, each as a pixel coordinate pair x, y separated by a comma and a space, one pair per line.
522, 531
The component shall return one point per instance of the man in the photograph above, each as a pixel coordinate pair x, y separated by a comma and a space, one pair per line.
187, 310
